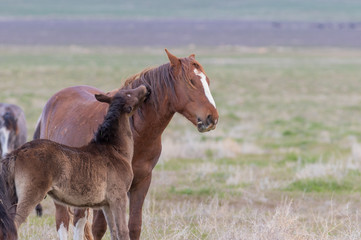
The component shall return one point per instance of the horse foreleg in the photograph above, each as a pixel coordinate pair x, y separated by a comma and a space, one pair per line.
99, 225
110, 220
118, 209
62, 219
136, 199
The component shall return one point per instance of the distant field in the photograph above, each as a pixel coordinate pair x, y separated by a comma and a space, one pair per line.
278, 10
283, 163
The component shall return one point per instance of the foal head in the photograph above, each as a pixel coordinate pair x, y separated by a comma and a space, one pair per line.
194, 99
8, 130
123, 104
125, 101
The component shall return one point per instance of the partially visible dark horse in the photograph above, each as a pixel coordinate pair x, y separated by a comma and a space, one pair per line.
97, 175
71, 115
7, 212
13, 130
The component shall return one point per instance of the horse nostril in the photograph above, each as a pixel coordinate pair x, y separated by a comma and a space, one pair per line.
209, 120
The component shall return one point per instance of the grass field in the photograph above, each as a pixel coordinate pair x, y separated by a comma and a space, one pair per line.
278, 10
283, 163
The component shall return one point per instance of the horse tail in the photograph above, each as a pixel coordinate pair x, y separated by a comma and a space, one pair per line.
87, 229
38, 208
8, 199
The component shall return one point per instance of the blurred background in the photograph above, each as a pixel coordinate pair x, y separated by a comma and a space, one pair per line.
285, 159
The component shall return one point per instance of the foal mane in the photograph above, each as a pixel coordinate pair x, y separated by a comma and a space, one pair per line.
107, 132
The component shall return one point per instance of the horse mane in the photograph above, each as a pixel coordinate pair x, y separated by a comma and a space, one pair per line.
157, 79
107, 132
160, 80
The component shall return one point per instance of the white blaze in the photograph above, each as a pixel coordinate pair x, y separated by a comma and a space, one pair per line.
4, 140
63, 233
205, 86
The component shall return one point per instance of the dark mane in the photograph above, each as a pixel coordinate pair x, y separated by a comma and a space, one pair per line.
107, 132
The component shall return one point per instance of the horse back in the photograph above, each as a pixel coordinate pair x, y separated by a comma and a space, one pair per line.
72, 115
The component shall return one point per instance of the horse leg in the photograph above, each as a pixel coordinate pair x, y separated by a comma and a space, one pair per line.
99, 225
39, 210
119, 208
28, 199
80, 221
136, 199
110, 220
62, 219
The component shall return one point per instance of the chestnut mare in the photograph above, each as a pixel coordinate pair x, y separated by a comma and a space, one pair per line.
13, 130
97, 175
71, 116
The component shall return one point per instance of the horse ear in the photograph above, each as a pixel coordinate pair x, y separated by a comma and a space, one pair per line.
102, 98
192, 56
174, 61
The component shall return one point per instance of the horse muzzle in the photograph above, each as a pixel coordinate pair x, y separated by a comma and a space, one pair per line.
207, 125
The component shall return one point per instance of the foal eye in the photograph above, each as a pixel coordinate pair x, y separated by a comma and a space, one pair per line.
128, 95
193, 82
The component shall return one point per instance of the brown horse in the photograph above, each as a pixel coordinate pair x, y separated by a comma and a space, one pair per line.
71, 115
12, 128
97, 175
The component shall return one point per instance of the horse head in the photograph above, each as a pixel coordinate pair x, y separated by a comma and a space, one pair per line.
129, 99
194, 99
8, 130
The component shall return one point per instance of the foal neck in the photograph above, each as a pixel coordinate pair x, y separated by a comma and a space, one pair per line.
115, 131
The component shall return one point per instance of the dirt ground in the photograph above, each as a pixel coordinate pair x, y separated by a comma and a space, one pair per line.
172, 33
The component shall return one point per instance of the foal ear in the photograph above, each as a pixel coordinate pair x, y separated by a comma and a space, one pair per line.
174, 61
103, 98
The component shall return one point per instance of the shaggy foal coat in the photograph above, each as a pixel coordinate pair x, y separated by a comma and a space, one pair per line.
97, 175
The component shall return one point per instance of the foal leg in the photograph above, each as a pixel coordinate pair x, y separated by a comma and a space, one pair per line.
62, 219
111, 224
119, 208
28, 199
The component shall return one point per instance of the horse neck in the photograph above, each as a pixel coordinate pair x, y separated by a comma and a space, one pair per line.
153, 121
155, 114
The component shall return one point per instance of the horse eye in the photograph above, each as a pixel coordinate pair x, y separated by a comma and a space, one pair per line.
193, 82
